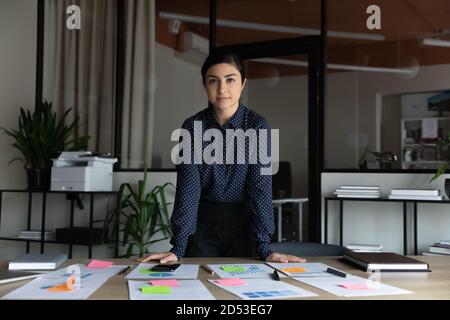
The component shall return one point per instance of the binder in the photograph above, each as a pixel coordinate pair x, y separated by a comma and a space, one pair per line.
384, 262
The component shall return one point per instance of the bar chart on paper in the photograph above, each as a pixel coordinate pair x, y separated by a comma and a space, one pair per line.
242, 270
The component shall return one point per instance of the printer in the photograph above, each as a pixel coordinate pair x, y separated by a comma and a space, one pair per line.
82, 171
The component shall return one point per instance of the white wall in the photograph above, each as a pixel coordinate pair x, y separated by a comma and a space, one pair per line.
284, 104
381, 222
179, 95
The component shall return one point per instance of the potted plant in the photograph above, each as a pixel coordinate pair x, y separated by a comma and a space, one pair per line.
443, 146
39, 138
138, 218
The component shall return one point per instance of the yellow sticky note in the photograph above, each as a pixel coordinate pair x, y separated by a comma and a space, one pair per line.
293, 270
156, 290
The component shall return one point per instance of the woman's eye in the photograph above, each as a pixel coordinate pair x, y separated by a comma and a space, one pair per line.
230, 80
212, 81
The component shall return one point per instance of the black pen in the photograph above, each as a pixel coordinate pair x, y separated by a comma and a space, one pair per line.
336, 272
125, 270
275, 275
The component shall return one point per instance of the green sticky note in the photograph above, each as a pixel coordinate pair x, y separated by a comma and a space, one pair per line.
233, 269
156, 290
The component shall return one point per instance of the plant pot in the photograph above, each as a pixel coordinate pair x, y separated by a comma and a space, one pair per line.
447, 187
38, 179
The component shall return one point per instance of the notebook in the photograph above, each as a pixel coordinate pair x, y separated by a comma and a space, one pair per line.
11, 276
31, 261
384, 261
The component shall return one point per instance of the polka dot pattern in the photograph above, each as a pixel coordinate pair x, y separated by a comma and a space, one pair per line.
223, 182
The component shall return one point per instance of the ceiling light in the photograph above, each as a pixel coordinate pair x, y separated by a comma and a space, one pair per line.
337, 66
434, 42
271, 28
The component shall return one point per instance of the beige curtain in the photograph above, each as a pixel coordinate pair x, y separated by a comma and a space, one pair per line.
80, 66
139, 82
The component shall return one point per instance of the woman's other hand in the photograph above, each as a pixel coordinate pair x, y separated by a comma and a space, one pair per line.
281, 257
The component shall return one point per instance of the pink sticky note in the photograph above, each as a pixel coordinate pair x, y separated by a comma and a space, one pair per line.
168, 283
354, 286
230, 282
99, 264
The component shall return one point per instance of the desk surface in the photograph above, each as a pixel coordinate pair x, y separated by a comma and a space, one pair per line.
425, 285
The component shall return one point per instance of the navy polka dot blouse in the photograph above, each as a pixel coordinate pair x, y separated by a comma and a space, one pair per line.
224, 183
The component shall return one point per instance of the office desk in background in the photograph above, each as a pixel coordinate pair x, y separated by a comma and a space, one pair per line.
278, 203
425, 285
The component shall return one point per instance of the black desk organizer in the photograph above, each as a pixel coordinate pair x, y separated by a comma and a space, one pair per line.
70, 235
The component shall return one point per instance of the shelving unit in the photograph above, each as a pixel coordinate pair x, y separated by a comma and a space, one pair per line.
379, 200
417, 151
42, 241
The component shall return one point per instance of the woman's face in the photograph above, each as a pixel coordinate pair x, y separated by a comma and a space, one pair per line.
223, 84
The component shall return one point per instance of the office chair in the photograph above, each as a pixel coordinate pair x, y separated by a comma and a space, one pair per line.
282, 181
282, 188
308, 249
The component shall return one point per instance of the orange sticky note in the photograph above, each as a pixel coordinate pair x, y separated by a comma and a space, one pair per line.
230, 282
354, 286
293, 270
67, 286
97, 264
169, 283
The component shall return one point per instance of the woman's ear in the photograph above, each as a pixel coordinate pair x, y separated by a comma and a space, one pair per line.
244, 83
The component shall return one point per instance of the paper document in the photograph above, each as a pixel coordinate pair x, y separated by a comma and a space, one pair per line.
352, 286
186, 290
243, 271
184, 271
55, 285
263, 289
302, 269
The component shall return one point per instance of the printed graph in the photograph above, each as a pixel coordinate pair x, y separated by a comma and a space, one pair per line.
244, 271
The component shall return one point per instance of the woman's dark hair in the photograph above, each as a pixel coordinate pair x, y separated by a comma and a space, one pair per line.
229, 58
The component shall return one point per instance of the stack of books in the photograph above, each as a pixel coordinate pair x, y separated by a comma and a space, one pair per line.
365, 247
441, 248
36, 235
416, 194
358, 192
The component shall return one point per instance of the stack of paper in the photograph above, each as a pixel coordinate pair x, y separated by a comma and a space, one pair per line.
36, 235
365, 247
416, 194
441, 248
353, 191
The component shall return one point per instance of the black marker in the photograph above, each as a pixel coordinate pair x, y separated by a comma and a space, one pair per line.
336, 272
276, 276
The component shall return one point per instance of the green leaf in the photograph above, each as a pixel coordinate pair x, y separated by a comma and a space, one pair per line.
441, 170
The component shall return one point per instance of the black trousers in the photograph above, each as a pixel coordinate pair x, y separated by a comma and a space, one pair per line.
223, 230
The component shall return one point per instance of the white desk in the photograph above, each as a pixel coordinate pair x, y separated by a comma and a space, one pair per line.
278, 203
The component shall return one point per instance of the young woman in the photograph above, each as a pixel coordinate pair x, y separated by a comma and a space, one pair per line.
223, 209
